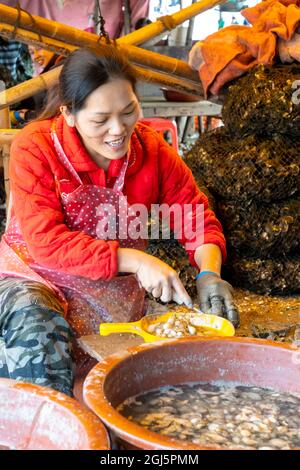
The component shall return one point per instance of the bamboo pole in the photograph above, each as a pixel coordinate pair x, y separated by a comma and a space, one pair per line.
29, 88
32, 38
4, 118
136, 55
173, 83
152, 30
80, 38
46, 27
7, 135
49, 79
190, 83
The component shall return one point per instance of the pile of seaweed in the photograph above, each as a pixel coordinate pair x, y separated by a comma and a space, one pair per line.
277, 275
264, 101
257, 228
252, 168
246, 167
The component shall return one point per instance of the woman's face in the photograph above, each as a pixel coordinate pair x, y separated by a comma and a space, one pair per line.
40, 57
107, 120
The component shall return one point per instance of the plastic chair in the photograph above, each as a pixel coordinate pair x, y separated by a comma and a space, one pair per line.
162, 126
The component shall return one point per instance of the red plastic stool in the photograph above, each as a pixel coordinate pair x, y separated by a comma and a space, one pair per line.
162, 126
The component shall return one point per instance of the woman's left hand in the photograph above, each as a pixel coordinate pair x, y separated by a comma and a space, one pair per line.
215, 297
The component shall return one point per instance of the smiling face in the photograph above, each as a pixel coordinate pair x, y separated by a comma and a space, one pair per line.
106, 122
40, 57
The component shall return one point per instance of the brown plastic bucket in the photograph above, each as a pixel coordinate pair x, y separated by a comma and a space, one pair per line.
148, 366
38, 418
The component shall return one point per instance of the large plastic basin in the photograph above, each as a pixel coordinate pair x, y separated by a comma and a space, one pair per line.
148, 366
38, 418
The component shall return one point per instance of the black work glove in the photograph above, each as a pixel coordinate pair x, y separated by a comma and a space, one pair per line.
215, 296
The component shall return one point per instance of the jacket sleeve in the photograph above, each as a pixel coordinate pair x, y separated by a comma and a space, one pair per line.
195, 224
41, 219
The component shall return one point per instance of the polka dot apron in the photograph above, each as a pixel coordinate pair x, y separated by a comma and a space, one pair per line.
88, 302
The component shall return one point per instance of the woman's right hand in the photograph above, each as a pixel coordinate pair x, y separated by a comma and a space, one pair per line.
155, 276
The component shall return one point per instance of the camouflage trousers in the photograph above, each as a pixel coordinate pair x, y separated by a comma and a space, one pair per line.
35, 339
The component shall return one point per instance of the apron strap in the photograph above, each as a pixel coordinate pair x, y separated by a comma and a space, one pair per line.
61, 154
119, 184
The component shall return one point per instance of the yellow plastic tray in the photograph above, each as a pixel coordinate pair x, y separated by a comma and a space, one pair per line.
211, 325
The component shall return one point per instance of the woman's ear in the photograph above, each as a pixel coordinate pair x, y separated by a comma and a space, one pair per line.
69, 118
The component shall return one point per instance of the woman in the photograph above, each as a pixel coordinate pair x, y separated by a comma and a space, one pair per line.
86, 154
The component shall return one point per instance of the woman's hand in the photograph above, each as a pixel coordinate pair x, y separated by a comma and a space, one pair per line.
215, 296
154, 275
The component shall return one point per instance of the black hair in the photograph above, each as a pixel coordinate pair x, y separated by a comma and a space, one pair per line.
84, 71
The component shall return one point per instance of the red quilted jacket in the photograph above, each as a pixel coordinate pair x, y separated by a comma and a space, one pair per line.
157, 176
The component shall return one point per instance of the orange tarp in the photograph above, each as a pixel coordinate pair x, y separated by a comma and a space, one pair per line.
232, 51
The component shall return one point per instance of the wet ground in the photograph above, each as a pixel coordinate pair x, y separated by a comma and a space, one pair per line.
269, 317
